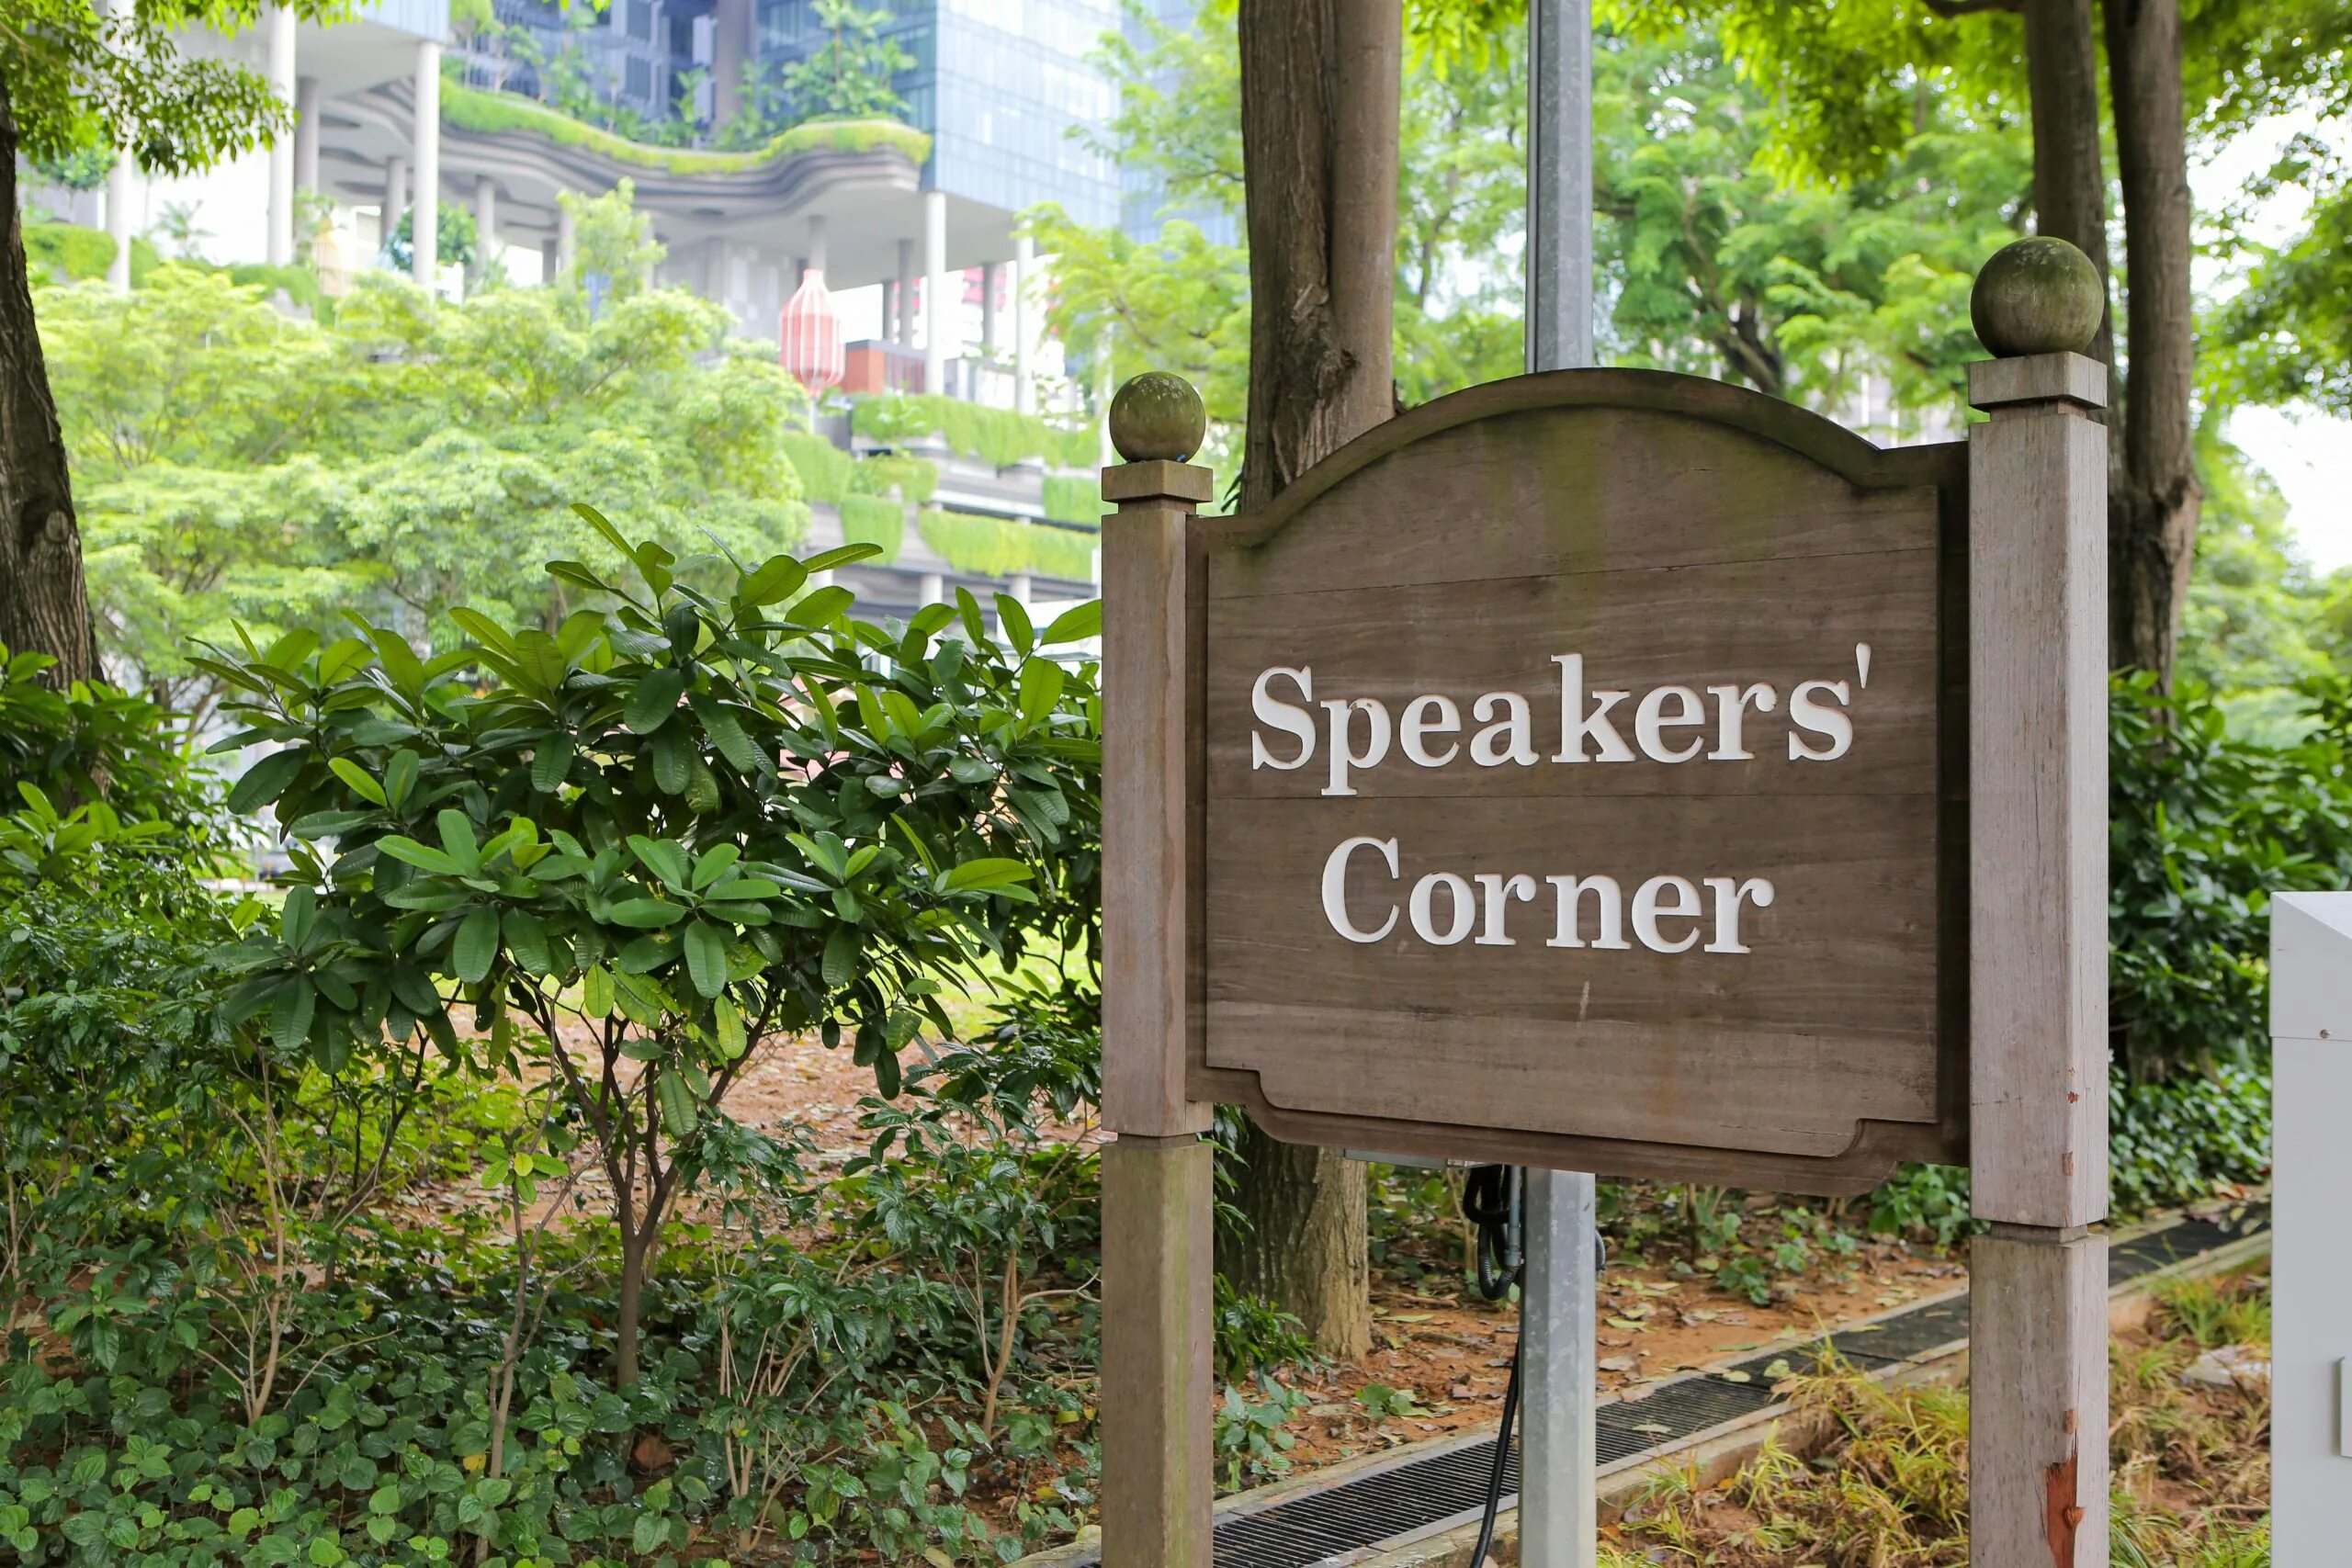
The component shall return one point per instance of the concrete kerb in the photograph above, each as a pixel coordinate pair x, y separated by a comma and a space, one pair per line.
1711, 1453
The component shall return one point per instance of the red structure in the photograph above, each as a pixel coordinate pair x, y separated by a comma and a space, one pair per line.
810, 332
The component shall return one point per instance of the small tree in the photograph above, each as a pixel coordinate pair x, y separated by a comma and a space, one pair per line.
849, 77
634, 847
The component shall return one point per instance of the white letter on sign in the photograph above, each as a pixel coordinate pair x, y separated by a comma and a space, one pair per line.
1343, 756
1284, 717
1424, 906
1820, 719
1648, 910
1651, 721
1577, 726
1729, 892
1335, 889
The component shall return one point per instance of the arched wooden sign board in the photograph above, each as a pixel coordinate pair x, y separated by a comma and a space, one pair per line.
1621, 772
1585, 787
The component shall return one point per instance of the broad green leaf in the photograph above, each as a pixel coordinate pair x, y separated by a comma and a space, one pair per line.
663, 857
527, 939
401, 662
841, 555
677, 1108
476, 948
1013, 617
655, 699
550, 760
300, 914
483, 630
1075, 625
647, 914
400, 777
290, 1013
975, 875
706, 958
715, 863
596, 991
1040, 689
841, 956
820, 608
729, 1025
360, 781
777, 579
458, 838
267, 780
421, 856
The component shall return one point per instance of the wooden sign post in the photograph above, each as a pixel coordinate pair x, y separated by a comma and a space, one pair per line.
1621, 772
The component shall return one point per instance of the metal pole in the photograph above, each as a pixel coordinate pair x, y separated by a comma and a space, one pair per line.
1557, 1457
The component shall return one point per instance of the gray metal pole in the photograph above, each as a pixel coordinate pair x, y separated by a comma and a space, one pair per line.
1557, 1458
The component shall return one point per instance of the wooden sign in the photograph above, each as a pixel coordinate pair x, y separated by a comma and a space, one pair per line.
1583, 787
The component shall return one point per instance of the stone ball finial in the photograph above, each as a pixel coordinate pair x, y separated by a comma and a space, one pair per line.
2037, 296
1158, 415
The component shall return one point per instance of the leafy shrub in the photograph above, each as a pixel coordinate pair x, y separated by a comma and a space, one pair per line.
635, 848
1003, 546
896, 473
68, 252
2204, 828
2189, 1138
999, 437
824, 469
90, 742
1071, 498
875, 520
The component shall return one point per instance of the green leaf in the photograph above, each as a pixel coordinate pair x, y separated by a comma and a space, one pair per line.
1041, 688
976, 875
421, 856
1075, 625
400, 777
300, 914
706, 958
596, 992
458, 839
715, 863
647, 914
841, 555
550, 760
729, 1025
1013, 617
655, 699
290, 1014
407, 671
663, 857
841, 956
362, 784
677, 1105
820, 608
267, 780
483, 630
777, 579
527, 939
477, 945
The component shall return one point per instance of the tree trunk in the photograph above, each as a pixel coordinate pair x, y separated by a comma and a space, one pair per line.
2155, 498
2069, 173
44, 608
1320, 81
632, 1300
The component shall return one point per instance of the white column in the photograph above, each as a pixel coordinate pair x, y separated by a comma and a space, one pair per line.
902, 328
119, 202
934, 291
933, 589
425, 233
714, 270
1024, 260
566, 250
307, 98
278, 32
816, 242
395, 193
485, 223
990, 272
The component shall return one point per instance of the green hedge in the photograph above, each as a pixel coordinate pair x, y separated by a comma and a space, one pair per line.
875, 520
71, 253
999, 437
913, 478
1003, 546
471, 109
824, 469
1071, 498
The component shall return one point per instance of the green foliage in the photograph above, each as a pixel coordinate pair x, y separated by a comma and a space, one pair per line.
90, 743
395, 460
1071, 498
473, 109
2203, 828
1001, 546
2255, 628
1247, 1434
848, 76
453, 237
901, 474
999, 437
876, 520
823, 468
67, 253
612, 241
2287, 336
1251, 1335
2189, 1138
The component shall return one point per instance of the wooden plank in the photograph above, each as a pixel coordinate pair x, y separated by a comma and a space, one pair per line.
1157, 1480
2038, 1463
2038, 781
1150, 573
1550, 491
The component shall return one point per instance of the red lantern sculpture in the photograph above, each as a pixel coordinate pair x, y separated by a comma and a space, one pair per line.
811, 334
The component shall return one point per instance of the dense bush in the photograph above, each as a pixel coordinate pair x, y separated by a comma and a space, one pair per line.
999, 437
1005, 547
824, 469
901, 474
2204, 827
876, 520
1074, 497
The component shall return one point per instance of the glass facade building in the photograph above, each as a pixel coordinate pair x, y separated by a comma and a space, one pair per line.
1001, 84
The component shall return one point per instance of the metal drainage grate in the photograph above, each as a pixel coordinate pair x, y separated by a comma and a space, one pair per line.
1357, 1513
1369, 1509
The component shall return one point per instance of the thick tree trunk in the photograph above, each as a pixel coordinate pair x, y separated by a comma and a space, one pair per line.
43, 605
2155, 497
2069, 171
1320, 85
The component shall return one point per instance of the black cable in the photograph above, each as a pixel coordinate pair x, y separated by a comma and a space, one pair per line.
1490, 1202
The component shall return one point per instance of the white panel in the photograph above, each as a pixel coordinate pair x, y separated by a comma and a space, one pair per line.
2312, 1300
2310, 966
